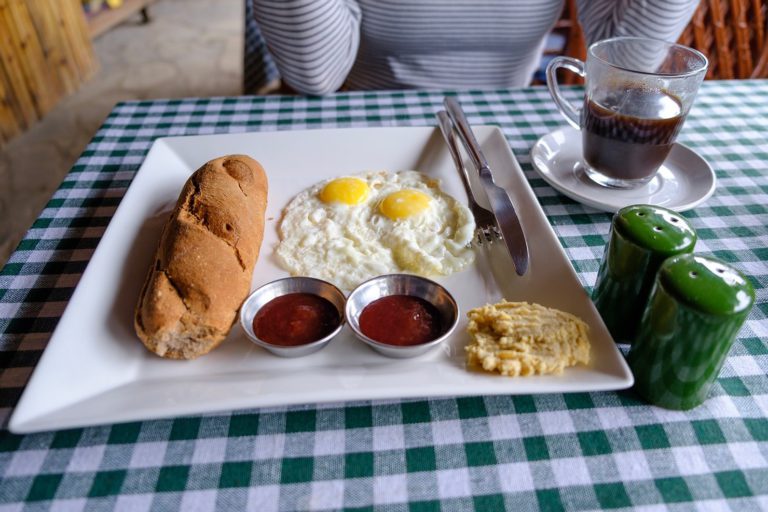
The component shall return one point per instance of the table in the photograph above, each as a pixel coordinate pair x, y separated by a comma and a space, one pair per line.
575, 451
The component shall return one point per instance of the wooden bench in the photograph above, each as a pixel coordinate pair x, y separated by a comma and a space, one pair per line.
100, 22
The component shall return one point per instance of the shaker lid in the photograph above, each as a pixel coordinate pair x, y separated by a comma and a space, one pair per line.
706, 284
657, 229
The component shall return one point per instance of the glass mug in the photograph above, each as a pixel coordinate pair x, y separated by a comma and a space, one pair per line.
638, 92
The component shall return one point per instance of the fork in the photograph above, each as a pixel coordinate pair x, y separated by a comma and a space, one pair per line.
486, 229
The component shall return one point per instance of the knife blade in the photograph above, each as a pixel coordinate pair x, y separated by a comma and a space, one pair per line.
501, 204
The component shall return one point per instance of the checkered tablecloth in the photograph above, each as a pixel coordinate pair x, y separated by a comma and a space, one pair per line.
551, 452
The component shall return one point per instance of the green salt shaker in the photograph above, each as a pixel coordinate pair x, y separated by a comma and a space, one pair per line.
696, 308
642, 237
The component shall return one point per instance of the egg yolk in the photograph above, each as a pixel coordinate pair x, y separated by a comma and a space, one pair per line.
404, 203
345, 190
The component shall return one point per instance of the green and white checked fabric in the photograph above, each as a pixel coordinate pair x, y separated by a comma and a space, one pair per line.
552, 452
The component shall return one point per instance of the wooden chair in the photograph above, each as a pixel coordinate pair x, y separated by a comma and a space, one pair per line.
733, 34
575, 45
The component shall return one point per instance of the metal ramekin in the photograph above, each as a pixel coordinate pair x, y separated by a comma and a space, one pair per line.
257, 299
402, 284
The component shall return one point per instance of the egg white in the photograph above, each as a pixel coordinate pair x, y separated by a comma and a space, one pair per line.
347, 244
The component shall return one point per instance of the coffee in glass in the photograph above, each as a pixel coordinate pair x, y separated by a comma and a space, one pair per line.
638, 92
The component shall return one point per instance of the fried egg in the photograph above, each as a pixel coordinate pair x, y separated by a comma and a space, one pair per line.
348, 229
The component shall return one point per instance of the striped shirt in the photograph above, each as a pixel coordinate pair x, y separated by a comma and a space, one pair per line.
321, 45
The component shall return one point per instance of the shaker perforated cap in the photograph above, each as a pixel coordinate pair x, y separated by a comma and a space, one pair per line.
656, 229
707, 285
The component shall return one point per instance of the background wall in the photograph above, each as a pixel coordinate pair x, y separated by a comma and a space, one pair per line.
190, 48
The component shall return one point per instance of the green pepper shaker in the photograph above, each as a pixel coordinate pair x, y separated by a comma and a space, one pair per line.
642, 237
696, 308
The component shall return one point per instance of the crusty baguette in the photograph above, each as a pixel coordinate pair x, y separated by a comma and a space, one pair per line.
204, 263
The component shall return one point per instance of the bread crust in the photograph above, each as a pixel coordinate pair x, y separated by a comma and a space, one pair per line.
204, 262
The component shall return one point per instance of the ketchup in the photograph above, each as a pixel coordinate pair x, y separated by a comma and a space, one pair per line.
295, 319
401, 320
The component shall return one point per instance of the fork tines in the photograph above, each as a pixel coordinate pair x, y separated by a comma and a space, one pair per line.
486, 235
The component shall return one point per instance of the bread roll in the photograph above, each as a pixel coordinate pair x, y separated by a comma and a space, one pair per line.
204, 263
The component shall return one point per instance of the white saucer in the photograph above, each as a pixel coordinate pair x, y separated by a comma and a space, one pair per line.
684, 180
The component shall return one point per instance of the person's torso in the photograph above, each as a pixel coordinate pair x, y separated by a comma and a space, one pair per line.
451, 43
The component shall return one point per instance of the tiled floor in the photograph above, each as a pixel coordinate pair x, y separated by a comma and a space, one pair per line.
191, 48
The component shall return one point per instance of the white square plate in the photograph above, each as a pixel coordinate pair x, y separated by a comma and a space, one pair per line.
95, 370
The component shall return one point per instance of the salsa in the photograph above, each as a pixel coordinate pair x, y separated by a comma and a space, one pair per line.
401, 320
295, 319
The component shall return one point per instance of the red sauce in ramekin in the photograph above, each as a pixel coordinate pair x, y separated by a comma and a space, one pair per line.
295, 319
401, 320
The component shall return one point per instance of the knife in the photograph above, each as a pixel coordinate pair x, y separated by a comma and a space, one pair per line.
501, 204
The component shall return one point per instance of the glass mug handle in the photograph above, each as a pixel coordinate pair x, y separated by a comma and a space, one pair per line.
566, 108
